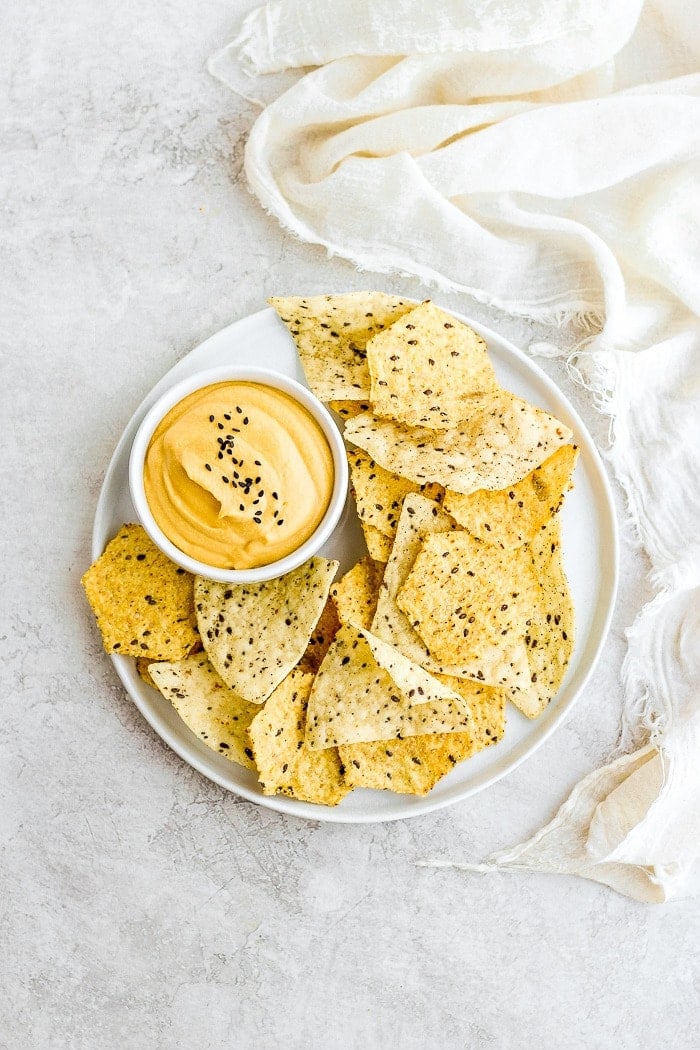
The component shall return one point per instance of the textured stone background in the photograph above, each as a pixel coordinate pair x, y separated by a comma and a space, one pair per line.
141, 905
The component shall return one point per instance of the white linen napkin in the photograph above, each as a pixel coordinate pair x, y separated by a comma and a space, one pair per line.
541, 155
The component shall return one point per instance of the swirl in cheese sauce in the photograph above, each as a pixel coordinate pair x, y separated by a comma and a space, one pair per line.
238, 475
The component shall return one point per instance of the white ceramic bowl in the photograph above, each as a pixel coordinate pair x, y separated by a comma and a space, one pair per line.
265, 377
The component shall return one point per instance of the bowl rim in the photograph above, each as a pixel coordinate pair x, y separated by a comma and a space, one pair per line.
245, 374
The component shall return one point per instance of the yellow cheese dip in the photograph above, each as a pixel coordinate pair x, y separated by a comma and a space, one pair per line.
238, 475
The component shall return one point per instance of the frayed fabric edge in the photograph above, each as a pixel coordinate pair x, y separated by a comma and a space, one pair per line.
651, 888
583, 314
598, 371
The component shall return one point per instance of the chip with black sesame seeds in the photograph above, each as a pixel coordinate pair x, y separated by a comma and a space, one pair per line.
286, 765
461, 616
214, 713
331, 332
379, 495
366, 690
133, 588
501, 441
414, 766
142, 665
356, 594
512, 516
349, 409
550, 642
425, 374
410, 767
487, 608
260, 612
321, 638
378, 545
419, 517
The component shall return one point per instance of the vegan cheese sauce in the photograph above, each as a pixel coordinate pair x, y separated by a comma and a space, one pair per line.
238, 475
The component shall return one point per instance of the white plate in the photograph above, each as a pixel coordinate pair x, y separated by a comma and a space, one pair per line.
589, 551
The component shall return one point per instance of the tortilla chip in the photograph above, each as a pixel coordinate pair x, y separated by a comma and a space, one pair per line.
501, 441
549, 633
510, 517
144, 662
420, 516
323, 634
355, 595
487, 705
409, 767
378, 545
415, 765
331, 333
143, 602
207, 706
425, 367
416, 684
354, 699
254, 634
142, 665
349, 409
515, 606
465, 600
286, 765
379, 495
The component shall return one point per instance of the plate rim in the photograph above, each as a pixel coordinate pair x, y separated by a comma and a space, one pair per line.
424, 804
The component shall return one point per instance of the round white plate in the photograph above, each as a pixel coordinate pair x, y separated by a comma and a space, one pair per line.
590, 560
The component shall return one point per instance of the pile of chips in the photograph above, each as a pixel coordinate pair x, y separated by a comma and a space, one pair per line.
390, 676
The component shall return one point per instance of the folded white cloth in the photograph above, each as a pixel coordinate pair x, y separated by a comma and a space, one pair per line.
541, 155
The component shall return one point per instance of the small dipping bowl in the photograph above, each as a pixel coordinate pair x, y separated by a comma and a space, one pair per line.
263, 377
